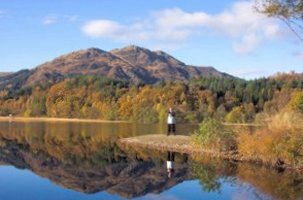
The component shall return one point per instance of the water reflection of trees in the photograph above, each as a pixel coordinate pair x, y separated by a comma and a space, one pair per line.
83, 160
77, 145
90, 161
279, 185
211, 172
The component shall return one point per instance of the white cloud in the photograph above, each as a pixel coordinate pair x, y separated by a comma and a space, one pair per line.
116, 31
174, 18
298, 54
247, 43
272, 31
71, 18
103, 28
54, 18
250, 72
50, 19
245, 28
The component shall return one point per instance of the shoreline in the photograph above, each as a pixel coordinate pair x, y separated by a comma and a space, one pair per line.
50, 119
57, 119
175, 143
242, 124
183, 144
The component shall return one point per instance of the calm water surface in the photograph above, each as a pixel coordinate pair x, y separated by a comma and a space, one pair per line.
40, 160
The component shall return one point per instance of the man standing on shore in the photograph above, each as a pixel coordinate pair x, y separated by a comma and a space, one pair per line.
171, 122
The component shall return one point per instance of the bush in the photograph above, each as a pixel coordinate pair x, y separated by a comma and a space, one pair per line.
213, 135
281, 138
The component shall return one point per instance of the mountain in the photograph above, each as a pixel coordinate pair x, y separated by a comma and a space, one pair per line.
2, 74
89, 62
161, 65
14, 80
132, 63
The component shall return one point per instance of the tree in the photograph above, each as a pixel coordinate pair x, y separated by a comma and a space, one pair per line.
235, 116
289, 11
35, 105
296, 102
220, 113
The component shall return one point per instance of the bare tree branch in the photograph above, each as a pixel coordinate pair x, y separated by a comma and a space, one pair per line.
295, 23
289, 11
291, 28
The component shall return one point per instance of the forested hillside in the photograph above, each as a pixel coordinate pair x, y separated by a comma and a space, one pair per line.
224, 98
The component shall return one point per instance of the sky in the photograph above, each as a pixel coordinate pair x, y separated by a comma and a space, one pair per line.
228, 35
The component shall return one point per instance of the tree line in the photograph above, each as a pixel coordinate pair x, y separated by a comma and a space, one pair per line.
226, 99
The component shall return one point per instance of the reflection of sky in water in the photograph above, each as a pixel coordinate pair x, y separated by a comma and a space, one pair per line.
22, 184
18, 184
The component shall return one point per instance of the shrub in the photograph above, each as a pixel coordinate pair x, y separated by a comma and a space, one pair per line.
212, 134
282, 138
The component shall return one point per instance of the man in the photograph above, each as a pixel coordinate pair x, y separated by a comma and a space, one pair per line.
171, 122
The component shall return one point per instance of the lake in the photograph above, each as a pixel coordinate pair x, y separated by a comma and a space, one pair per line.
60, 160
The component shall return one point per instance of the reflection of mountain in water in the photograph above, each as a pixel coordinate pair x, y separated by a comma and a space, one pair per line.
89, 161
128, 177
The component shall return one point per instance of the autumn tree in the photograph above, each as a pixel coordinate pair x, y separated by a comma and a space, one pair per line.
296, 102
235, 116
35, 105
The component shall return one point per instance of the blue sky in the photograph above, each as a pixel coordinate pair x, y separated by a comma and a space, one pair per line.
225, 34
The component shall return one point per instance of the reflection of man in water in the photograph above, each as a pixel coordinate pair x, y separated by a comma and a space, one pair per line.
170, 163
